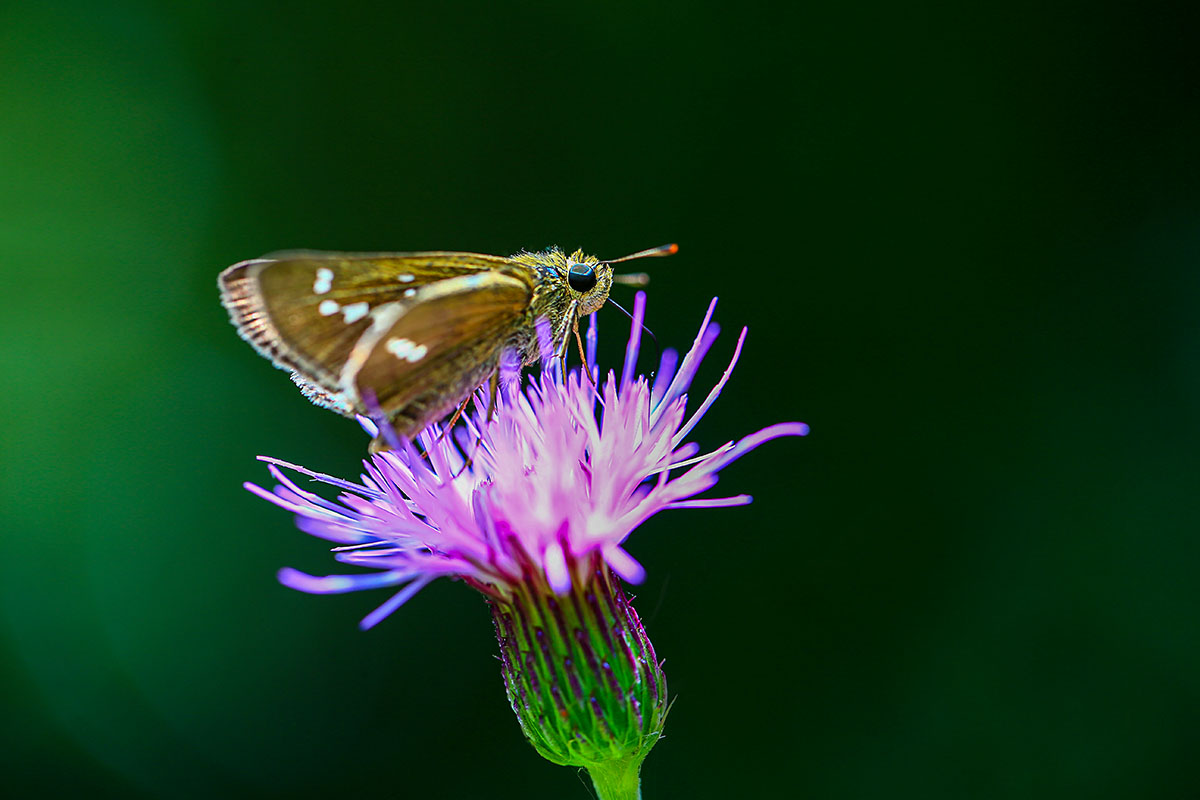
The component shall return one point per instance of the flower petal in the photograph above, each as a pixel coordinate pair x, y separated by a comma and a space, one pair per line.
395, 601
338, 584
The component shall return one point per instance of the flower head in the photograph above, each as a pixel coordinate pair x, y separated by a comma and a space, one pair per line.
549, 482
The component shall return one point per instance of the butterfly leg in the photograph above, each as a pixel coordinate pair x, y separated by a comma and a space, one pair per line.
493, 386
587, 368
458, 412
560, 351
561, 355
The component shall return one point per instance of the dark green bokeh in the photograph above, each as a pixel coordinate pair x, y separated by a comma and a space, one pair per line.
965, 243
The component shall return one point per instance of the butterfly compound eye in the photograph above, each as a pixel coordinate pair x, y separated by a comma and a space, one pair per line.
581, 277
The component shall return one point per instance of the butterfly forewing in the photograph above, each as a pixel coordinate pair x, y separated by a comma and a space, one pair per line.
425, 352
306, 310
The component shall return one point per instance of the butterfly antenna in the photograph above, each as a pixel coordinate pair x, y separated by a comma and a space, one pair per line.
653, 338
632, 279
653, 252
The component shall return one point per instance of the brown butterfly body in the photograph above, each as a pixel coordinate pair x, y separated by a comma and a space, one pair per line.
417, 332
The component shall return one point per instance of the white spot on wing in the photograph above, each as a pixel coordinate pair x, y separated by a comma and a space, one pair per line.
324, 280
399, 347
355, 311
406, 349
328, 307
409, 292
405, 278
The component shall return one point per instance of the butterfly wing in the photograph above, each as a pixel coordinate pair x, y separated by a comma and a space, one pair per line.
306, 310
423, 354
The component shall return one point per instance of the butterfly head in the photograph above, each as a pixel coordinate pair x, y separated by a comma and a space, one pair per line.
589, 280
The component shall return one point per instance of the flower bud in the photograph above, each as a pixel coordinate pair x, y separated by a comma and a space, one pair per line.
582, 677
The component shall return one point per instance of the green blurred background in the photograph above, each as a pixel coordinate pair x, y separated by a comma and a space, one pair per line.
965, 242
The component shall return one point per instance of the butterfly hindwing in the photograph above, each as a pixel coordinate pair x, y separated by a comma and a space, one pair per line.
425, 352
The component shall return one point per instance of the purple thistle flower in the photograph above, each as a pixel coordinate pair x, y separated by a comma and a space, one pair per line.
548, 484
536, 519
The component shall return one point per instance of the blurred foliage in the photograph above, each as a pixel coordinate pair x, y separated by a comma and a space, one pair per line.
965, 242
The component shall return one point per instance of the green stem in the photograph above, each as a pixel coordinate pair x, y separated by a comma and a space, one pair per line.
617, 780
